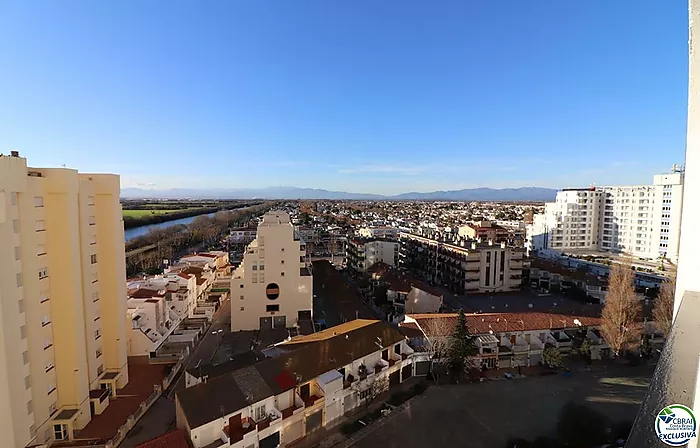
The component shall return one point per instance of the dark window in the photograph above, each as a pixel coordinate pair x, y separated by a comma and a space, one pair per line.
272, 291
503, 261
487, 279
270, 308
397, 349
488, 257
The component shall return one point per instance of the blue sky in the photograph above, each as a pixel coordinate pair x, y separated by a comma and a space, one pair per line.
364, 95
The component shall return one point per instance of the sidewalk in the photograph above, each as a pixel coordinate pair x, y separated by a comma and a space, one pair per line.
330, 436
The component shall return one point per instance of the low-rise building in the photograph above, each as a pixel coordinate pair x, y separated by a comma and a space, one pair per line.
311, 384
242, 235
150, 322
272, 288
407, 294
378, 232
463, 266
507, 340
484, 230
362, 253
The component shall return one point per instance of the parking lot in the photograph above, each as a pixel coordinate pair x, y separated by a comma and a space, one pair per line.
487, 415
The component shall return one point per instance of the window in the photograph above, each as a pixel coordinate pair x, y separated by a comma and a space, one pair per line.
40, 225
260, 412
40, 249
97, 334
261, 253
98, 352
19, 280
282, 274
241, 286
261, 267
282, 250
282, 262
38, 201
25, 357
44, 296
365, 393
91, 220
261, 241
60, 432
241, 297
100, 369
15, 225
254, 278
242, 308
27, 382
47, 344
45, 321
20, 305
93, 258
43, 273
94, 277
262, 278
93, 239
51, 389
255, 267
272, 291
91, 200
95, 296
271, 308
17, 253
23, 331
13, 198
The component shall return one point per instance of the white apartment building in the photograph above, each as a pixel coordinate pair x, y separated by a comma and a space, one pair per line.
362, 254
272, 288
378, 232
62, 296
640, 220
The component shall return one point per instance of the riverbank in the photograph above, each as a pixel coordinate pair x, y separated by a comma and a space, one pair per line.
147, 214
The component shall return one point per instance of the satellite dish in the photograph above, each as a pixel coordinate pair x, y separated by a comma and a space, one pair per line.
529, 305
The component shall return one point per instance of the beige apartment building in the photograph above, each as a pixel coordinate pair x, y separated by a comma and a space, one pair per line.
272, 288
62, 300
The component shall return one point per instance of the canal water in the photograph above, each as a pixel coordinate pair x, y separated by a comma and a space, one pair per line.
130, 234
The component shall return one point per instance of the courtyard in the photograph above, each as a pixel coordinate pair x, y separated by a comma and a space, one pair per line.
487, 415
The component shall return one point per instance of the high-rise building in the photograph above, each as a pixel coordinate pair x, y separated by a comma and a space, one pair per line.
62, 299
272, 288
640, 220
361, 254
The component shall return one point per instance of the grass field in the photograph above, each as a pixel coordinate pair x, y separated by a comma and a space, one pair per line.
142, 213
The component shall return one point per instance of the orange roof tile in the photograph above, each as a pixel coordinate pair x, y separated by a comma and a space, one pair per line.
174, 439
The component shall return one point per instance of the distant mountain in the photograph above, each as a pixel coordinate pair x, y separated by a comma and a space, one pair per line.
470, 194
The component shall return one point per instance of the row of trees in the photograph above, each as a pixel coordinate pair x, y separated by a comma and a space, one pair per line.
175, 241
621, 321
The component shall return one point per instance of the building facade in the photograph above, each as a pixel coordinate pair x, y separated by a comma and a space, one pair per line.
463, 266
63, 290
272, 288
310, 385
640, 220
361, 254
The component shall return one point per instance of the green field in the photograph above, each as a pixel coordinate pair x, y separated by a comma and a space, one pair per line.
142, 213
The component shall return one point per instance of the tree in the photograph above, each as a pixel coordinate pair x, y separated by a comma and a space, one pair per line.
437, 331
662, 313
378, 387
552, 357
461, 345
620, 320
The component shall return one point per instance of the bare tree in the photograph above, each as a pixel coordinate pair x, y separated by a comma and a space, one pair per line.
438, 331
662, 313
620, 321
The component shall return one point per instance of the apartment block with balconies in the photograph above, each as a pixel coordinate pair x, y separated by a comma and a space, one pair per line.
463, 265
63, 289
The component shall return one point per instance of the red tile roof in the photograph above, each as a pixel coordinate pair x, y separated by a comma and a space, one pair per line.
175, 439
146, 293
482, 323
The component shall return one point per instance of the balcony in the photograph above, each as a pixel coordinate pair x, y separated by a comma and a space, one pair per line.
521, 345
235, 434
295, 408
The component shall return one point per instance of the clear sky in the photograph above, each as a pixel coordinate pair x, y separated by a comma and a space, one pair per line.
379, 96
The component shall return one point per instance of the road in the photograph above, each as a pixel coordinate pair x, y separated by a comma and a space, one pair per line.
487, 415
161, 417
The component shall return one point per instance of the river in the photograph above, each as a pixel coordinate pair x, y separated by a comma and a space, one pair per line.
134, 232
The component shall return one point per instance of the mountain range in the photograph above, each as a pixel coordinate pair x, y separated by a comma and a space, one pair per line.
534, 194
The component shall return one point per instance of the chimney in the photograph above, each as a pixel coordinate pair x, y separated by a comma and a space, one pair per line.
490, 242
14, 153
503, 245
473, 246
